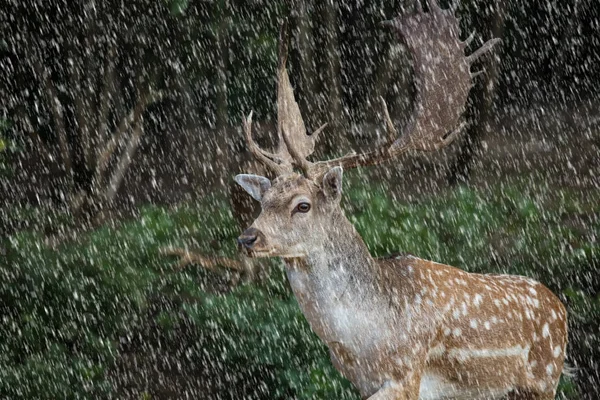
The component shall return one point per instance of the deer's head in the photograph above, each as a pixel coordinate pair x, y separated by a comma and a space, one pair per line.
299, 208
296, 213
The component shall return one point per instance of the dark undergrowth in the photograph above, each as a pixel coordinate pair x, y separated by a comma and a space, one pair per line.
107, 317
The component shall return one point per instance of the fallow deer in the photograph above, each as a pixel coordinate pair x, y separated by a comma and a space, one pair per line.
401, 327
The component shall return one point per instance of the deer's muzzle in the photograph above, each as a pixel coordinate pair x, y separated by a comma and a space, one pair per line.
251, 239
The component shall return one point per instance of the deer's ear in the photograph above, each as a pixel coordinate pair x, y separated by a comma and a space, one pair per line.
255, 185
332, 183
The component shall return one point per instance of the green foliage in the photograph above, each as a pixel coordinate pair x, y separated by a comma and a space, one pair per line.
178, 7
6, 146
73, 316
505, 229
68, 310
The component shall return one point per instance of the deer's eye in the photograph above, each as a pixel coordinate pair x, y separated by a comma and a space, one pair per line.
303, 207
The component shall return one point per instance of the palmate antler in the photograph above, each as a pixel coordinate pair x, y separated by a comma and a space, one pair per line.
443, 80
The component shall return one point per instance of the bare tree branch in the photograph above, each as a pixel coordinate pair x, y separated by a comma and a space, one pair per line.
119, 172
132, 145
187, 257
130, 119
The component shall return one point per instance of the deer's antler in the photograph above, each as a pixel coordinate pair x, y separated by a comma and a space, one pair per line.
443, 80
293, 140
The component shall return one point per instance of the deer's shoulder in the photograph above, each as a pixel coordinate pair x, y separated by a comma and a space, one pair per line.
414, 267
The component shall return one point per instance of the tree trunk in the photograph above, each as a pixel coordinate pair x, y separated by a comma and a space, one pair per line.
333, 82
460, 170
123, 164
218, 147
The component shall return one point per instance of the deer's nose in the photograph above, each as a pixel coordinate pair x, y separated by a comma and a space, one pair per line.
248, 238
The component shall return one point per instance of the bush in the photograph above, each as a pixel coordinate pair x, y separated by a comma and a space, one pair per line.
107, 317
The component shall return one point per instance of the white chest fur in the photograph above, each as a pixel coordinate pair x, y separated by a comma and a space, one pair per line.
339, 310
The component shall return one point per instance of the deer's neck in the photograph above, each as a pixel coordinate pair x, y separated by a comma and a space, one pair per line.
342, 252
336, 282
342, 258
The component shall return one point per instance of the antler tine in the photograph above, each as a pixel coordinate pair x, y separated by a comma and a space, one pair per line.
434, 7
315, 134
454, 5
419, 7
391, 130
443, 79
451, 137
266, 158
476, 74
468, 40
487, 46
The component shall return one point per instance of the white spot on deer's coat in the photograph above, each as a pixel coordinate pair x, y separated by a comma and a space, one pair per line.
460, 281
549, 369
487, 325
456, 332
431, 280
436, 387
553, 315
546, 330
436, 351
473, 323
477, 300
557, 351
465, 354
532, 291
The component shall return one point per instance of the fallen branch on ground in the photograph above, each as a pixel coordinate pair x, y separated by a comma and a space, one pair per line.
187, 257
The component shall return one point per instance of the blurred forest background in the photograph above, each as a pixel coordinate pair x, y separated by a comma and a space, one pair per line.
120, 132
